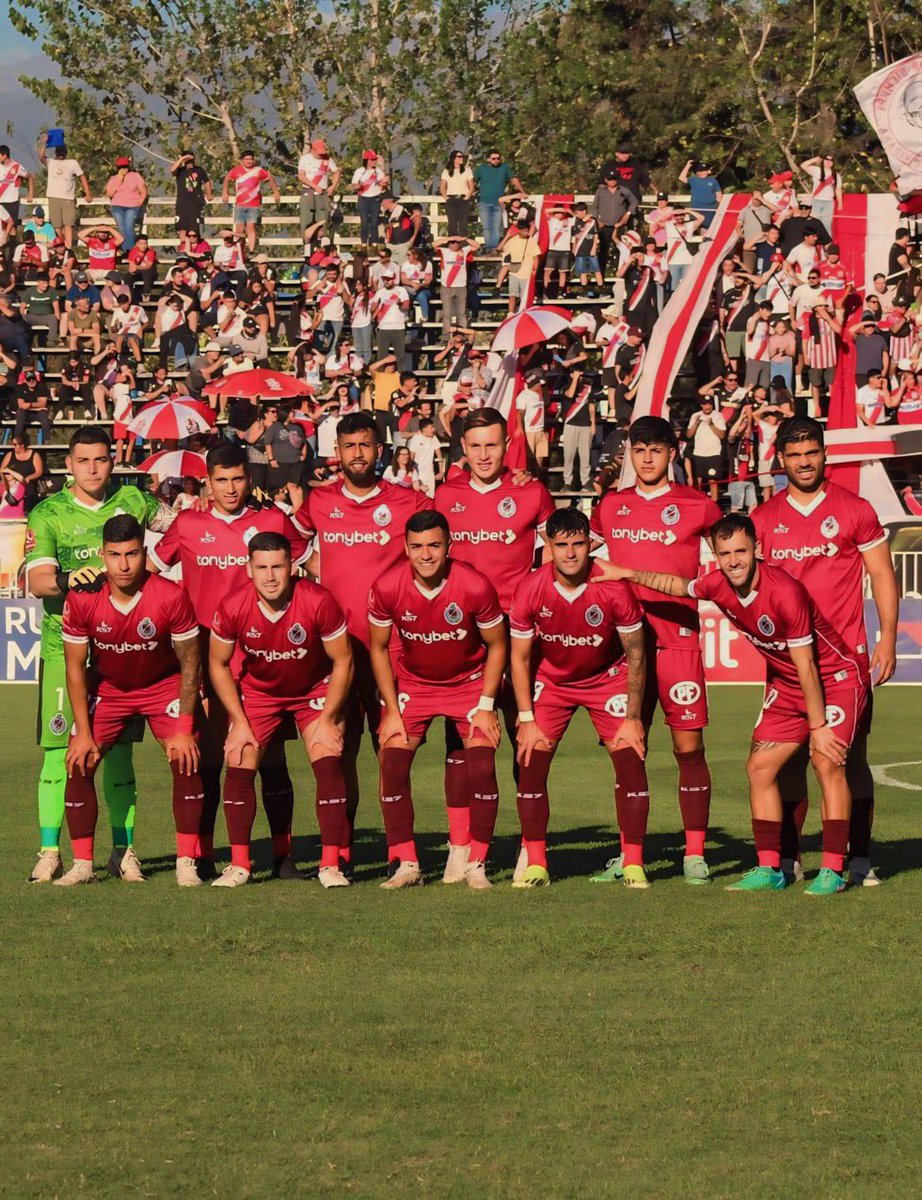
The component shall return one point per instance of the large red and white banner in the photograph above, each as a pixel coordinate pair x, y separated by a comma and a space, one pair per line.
891, 99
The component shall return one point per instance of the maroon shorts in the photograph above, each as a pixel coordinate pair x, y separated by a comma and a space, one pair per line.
422, 703
266, 713
605, 701
784, 714
675, 678
158, 704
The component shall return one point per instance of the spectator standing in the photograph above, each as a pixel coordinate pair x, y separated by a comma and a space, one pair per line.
319, 177
826, 188
493, 179
706, 431
704, 189
577, 412
369, 181
248, 179
21, 470
630, 172
63, 176
530, 405
521, 254
782, 350
401, 228
193, 192
456, 187
127, 194
12, 177
585, 247
755, 222
613, 205
455, 257
557, 259
426, 454
286, 451
389, 307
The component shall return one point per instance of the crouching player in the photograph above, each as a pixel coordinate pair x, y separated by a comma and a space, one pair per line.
291, 634
142, 636
813, 693
451, 657
586, 649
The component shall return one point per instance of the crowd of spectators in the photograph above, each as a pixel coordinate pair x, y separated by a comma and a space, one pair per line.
96, 320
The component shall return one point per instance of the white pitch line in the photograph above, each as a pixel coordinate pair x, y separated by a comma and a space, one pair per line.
882, 775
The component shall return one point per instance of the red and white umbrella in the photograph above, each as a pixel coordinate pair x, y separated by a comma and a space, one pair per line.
258, 382
531, 325
175, 464
162, 419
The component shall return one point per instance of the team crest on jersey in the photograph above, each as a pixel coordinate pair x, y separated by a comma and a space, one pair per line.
829, 528
594, 616
670, 514
297, 635
616, 706
382, 515
453, 614
506, 507
766, 625
172, 709
58, 724
685, 692
834, 715
249, 534
207, 538
147, 629
336, 514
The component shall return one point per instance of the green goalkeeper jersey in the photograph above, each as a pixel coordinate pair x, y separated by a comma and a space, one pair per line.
63, 531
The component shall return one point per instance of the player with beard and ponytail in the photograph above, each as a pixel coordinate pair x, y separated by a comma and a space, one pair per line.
210, 547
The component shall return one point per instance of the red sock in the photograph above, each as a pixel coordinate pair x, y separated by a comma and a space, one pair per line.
240, 812
484, 792
534, 807
82, 809
862, 821
694, 798
793, 817
397, 803
457, 798
278, 802
835, 845
536, 851
767, 836
188, 798
330, 806
632, 804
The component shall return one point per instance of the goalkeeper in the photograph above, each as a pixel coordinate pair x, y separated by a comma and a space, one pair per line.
64, 552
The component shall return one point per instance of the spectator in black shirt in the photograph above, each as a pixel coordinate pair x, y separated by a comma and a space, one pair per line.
193, 190
795, 228
33, 400
632, 173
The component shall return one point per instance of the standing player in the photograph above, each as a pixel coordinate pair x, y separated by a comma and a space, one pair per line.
827, 537
142, 636
450, 663
659, 524
496, 524
64, 553
296, 659
357, 527
577, 647
210, 546
813, 693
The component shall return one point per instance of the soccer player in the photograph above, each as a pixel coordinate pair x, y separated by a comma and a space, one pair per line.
497, 521
657, 524
577, 647
64, 553
814, 693
142, 636
291, 634
827, 537
356, 526
210, 546
450, 663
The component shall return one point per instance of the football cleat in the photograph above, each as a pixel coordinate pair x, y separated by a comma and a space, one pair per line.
476, 877
332, 877
533, 877
186, 874
613, 871
695, 870
793, 870
827, 883
125, 865
232, 877
636, 877
521, 865
760, 879
47, 868
80, 872
407, 875
456, 865
862, 874
287, 869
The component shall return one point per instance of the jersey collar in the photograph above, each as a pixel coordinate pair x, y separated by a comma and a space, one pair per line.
227, 518
570, 594
747, 600
350, 495
806, 510
429, 593
485, 488
658, 494
270, 614
132, 604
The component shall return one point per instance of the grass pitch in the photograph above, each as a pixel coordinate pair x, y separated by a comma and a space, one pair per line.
284, 1041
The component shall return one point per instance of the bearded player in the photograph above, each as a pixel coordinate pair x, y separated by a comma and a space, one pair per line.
658, 524
814, 693
496, 525
64, 554
142, 637
210, 546
357, 530
452, 652
828, 538
576, 646
291, 635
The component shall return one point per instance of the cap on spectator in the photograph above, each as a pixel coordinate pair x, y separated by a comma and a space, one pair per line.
635, 331
58, 241
235, 351
534, 376
368, 155
611, 175
868, 318
38, 211
319, 146
122, 161
662, 195
390, 273
112, 276
631, 238
250, 323
904, 364
765, 304
329, 261
466, 377
261, 258
81, 277
833, 248
702, 166
476, 352
212, 346
623, 148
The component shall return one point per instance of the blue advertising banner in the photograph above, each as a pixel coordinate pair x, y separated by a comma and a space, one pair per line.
20, 631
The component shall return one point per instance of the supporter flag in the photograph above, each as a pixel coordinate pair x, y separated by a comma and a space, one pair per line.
891, 99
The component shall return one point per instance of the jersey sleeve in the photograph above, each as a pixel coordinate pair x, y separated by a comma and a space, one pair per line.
423, 501
868, 530
628, 613
706, 587
41, 539
304, 521
522, 617
224, 625
380, 610
74, 627
300, 544
487, 612
546, 507
183, 624
595, 521
331, 620
166, 552
710, 513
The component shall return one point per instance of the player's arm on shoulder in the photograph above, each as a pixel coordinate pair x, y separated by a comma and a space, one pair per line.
878, 562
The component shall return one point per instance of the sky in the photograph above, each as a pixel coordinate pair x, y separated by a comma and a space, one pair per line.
18, 107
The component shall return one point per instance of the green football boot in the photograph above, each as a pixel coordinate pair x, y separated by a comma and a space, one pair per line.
613, 872
827, 883
695, 870
760, 879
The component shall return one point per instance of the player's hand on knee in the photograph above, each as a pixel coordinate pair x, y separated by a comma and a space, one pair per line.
485, 723
82, 755
183, 750
530, 737
325, 734
824, 741
392, 731
239, 740
631, 737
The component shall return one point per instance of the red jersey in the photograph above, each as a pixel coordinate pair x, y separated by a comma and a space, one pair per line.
439, 630
659, 531
495, 527
131, 645
833, 280
247, 183
821, 545
282, 652
577, 632
212, 550
780, 614
359, 538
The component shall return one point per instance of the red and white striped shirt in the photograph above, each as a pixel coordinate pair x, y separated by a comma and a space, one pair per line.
247, 183
454, 266
821, 350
